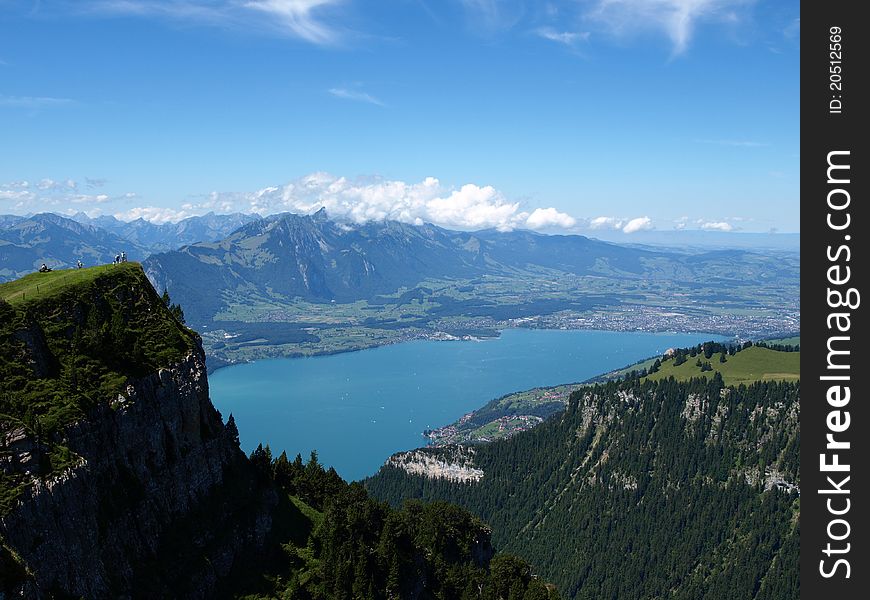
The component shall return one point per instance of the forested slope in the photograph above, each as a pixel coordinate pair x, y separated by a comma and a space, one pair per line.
644, 489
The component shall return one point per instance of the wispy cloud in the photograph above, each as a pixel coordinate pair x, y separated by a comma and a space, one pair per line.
487, 16
45, 185
94, 183
33, 102
355, 95
677, 19
299, 17
176, 9
568, 38
28, 196
303, 19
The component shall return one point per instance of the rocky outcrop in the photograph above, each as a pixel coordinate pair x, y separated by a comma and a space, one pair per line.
159, 502
454, 463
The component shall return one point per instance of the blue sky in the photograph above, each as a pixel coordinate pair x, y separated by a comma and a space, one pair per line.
553, 115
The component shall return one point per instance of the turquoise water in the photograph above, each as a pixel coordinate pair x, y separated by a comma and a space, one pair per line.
358, 408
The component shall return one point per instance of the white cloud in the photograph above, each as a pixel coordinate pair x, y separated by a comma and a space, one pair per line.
22, 184
606, 223
16, 195
549, 218
355, 95
677, 19
717, 226
638, 224
36, 196
51, 184
727, 224
624, 225
469, 206
568, 38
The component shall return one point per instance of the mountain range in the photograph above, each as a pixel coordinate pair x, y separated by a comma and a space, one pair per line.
289, 257
57, 241
316, 259
158, 237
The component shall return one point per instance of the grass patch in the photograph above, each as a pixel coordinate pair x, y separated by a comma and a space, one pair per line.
40, 286
745, 367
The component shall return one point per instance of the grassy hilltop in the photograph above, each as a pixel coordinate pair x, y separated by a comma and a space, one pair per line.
756, 363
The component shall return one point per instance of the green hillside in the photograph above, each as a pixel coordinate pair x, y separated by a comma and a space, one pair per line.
752, 364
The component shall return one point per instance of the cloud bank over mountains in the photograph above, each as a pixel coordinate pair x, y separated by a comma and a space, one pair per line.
467, 207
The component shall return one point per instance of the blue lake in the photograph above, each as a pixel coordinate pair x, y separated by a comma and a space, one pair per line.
358, 408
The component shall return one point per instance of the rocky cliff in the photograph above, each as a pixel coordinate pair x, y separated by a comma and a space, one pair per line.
136, 491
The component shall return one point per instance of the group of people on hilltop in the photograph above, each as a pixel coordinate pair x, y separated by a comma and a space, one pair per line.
119, 258
45, 268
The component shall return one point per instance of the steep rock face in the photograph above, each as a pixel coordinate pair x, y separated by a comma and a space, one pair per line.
150, 463
453, 463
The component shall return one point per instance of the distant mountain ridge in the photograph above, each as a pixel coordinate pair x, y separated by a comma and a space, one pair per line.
159, 237
58, 241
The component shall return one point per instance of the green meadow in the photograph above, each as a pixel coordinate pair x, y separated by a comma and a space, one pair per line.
752, 364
